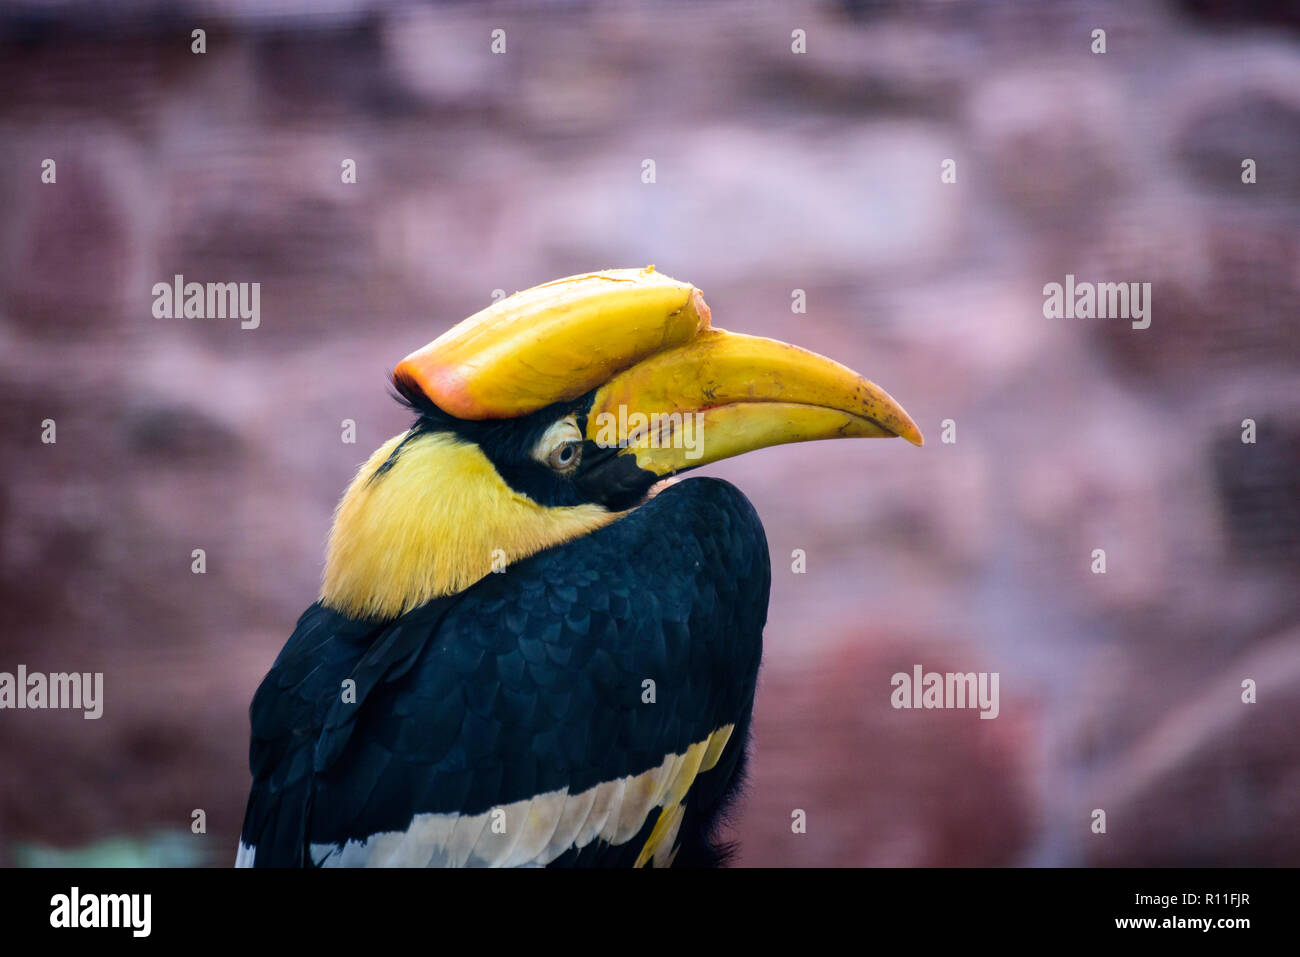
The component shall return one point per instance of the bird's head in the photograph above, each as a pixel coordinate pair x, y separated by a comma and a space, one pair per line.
552, 412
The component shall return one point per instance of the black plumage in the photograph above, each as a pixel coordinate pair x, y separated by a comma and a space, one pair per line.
528, 682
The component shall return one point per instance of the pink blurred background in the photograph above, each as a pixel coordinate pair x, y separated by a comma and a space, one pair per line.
775, 171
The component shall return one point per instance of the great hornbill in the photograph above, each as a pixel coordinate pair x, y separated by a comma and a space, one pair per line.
521, 654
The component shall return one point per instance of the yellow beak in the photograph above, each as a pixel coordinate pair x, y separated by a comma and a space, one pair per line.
669, 389
722, 394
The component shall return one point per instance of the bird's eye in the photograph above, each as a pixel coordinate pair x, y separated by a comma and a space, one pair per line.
565, 457
561, 447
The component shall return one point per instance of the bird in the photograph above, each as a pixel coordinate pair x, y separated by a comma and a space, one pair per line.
535, 645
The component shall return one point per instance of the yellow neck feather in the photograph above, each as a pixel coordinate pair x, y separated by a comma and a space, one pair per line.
432, 525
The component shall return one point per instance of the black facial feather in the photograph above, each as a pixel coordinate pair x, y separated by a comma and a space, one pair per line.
603, 477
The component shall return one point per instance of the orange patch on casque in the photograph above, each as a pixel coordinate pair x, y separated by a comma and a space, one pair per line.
441, 384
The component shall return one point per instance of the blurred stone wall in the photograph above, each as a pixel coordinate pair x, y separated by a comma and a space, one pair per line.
775, 172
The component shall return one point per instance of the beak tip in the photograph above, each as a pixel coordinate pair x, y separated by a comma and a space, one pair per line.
910, 432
